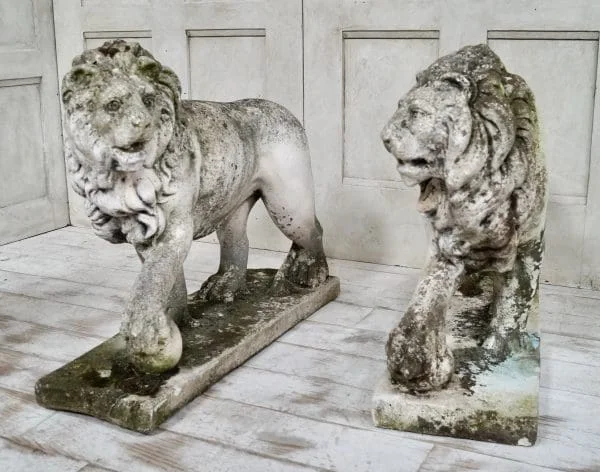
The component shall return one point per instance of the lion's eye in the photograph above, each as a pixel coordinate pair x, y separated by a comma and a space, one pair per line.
417, 113
113, 105
148, 100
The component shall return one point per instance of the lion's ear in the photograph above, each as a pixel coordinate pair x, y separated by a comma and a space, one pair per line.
460, 82
77, 77
170, 79
153, 69
148, 67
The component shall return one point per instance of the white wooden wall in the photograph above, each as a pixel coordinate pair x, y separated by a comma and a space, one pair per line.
342, 65
33, 196
362, 56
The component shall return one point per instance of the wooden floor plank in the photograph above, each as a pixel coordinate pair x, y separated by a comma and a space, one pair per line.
20, 371
310, 397
94, 468
84, 320
562, 443
19, 413
311, 442
16, 458
361, 342
444, 459
352, 370
90, 440
341, 314
65, 291
571, 349
65, 262
71, 271
43, 341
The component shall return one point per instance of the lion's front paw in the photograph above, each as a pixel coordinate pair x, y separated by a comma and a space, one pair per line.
305, 268
153, 342
419, 360
223, 287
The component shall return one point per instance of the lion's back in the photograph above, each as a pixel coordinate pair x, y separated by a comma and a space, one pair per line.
253, 118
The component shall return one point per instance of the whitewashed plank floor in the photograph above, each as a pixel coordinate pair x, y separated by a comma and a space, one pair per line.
301, 404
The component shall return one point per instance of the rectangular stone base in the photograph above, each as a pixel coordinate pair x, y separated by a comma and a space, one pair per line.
216, 339
487, 400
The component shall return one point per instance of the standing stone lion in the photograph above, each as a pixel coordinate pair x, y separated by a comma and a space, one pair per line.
467, 133
158, 172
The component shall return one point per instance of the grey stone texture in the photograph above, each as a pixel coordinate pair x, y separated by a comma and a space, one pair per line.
490, 397
217, 337
157, 172
468, 135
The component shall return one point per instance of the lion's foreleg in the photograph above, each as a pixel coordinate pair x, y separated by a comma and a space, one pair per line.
514, 295
177, 301
418, 356
233, 240
153, 340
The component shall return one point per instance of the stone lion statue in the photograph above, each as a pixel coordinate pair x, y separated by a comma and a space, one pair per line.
157, 172
468, 135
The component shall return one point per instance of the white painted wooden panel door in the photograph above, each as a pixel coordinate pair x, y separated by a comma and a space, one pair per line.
33, 196
221, 50
362, 56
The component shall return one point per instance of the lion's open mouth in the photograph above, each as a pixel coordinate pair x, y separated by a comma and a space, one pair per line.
130, 157
133, 147
413, 162
414, 171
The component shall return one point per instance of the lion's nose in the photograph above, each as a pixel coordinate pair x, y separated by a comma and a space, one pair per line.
387, 142
386, 137
140, 121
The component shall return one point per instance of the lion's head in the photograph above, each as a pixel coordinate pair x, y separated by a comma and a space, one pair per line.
464, 117
120, 116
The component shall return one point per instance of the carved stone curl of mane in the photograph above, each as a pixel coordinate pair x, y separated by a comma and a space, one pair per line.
123, 205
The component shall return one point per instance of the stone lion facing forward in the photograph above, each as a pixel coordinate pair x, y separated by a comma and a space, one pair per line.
158, 172
467, 133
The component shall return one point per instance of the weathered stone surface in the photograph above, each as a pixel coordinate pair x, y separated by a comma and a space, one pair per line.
217, 337
489, 398
157, 172
468, 134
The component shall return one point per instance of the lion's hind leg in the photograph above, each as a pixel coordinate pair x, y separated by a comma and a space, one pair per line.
305, 265
514, 297
289, 200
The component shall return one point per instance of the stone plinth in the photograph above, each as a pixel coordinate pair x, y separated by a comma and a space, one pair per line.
487, 399
217, 338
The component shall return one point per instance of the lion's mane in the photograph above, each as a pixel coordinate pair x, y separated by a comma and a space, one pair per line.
122, 206
500, 175
491, 87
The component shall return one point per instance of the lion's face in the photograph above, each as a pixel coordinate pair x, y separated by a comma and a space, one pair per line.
118, 122
431, 125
